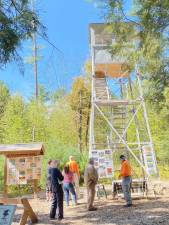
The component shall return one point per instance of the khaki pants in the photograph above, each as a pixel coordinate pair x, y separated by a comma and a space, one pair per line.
90, 195
76, 182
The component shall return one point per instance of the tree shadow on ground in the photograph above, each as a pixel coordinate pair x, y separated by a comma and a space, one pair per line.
43, 219
147, 213
150, 212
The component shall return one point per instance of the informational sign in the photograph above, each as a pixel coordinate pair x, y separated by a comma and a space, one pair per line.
103, 162
22, 169
6, 214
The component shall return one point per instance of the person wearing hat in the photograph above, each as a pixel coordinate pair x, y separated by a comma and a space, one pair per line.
90, 179
125, 174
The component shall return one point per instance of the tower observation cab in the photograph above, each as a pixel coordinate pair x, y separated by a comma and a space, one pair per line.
118, 121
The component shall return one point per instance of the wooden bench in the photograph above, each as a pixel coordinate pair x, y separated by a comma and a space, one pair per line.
138, 186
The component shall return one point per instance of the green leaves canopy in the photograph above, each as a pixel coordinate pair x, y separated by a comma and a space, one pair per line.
17, 23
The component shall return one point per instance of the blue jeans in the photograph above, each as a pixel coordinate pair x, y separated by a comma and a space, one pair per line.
69, 188
126, 187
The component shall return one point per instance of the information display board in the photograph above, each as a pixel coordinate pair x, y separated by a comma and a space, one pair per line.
6, 214
103, 162
22, 169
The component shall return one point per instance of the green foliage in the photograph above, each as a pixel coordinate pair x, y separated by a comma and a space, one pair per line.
55, 149
49, 121
36, 117
4, 96
61, 124
18, 22
80, 86
79, 100
13, 122
58, 94
55, 122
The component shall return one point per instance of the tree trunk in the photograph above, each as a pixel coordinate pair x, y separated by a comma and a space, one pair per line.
87, 124
80, 123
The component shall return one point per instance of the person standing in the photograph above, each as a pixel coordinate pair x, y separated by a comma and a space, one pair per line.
68, 186
57, 191
91, 179
48, 182
125, 174
73, 166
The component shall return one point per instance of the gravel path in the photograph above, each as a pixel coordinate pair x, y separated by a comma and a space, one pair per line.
144, 212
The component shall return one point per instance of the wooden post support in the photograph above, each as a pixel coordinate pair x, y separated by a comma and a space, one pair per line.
28, 211
24, 218
35, 188
5, 193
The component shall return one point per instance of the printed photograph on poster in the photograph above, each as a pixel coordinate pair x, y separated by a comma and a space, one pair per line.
12, 163
101, 161
108, 163
22, 177
37, 159
22, 161
38, 172
29, 160
102, 171
108, 154
101, 153
29, 174
109, 171
33, 165
94, 154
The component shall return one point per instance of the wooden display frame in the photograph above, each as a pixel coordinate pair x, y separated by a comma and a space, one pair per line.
20, 150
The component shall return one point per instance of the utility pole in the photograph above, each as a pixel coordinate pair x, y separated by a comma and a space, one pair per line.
35, 54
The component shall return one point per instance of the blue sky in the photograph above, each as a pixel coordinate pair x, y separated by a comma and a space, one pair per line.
67, 27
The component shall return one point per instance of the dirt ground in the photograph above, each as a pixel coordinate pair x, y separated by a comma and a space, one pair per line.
144, 212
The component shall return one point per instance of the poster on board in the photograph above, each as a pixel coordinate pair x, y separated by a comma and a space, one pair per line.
103, 162
22, 169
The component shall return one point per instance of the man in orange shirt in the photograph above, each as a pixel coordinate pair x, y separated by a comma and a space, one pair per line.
73, 166
125, 174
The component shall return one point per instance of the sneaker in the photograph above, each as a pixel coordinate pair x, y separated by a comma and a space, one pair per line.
128, 205
52, 218
60, 218
92, 209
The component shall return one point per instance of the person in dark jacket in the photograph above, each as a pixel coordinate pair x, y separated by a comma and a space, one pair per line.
57, 191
